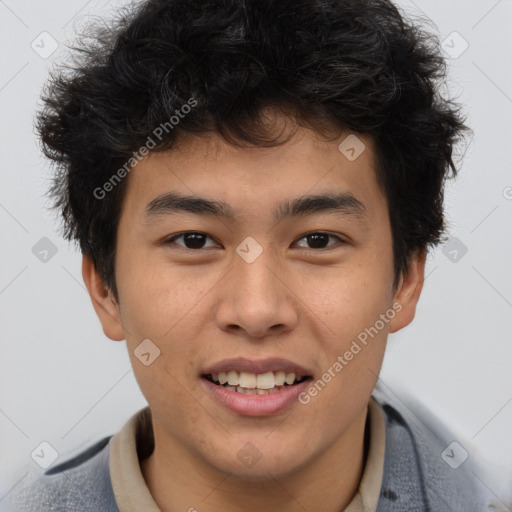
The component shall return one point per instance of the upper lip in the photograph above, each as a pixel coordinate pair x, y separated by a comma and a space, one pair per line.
243, 364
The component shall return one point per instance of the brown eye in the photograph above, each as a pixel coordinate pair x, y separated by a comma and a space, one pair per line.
320, 240
195, 241
191, 240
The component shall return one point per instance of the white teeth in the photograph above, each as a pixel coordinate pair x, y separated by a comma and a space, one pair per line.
246, 391
247, 380
233, 378
265, 380
280, 378
290, 378
250, 383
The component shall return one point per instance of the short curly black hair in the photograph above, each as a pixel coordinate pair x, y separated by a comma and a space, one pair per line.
356, 65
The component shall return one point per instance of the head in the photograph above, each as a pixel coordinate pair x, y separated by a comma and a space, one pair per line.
253, 106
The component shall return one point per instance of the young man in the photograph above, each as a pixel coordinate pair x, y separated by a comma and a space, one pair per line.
254, 185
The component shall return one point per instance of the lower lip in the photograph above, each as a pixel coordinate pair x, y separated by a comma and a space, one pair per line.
256, 405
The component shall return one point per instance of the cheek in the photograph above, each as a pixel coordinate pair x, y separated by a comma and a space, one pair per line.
361, 324
168, 393
347, 299
155, 297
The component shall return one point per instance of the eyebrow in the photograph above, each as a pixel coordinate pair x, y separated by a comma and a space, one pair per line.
342, 203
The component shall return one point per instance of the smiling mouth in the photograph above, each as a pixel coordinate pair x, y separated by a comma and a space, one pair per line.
255, 384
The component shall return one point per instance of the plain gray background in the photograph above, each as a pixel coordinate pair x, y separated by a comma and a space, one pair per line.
63, 382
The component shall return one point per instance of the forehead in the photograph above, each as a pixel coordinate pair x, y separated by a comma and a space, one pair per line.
206, 174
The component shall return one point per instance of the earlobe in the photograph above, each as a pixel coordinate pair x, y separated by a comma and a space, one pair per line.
103, 301
408, 292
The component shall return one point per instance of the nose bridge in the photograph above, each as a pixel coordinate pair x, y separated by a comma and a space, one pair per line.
258, 286
257, 277
255, 298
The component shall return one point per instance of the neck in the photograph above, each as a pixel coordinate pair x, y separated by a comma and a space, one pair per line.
178, 480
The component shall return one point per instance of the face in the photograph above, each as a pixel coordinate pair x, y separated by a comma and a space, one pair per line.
256, 297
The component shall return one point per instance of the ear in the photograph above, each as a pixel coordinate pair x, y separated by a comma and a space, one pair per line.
408, 291
103, 301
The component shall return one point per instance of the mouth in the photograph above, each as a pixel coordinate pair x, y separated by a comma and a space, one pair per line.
255, 388
255, 384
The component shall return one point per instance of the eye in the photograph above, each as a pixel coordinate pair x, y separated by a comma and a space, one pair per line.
192, 240
319, 239
195, 240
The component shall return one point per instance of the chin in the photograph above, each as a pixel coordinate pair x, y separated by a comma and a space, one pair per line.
253, 465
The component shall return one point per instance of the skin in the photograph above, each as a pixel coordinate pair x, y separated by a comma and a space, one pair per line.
293, 301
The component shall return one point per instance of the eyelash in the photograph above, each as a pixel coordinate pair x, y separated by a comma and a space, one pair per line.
172, 239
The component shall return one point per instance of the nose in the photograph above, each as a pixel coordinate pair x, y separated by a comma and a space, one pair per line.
255, 299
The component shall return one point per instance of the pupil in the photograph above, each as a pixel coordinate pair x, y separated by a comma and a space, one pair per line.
316, 239
195, 240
